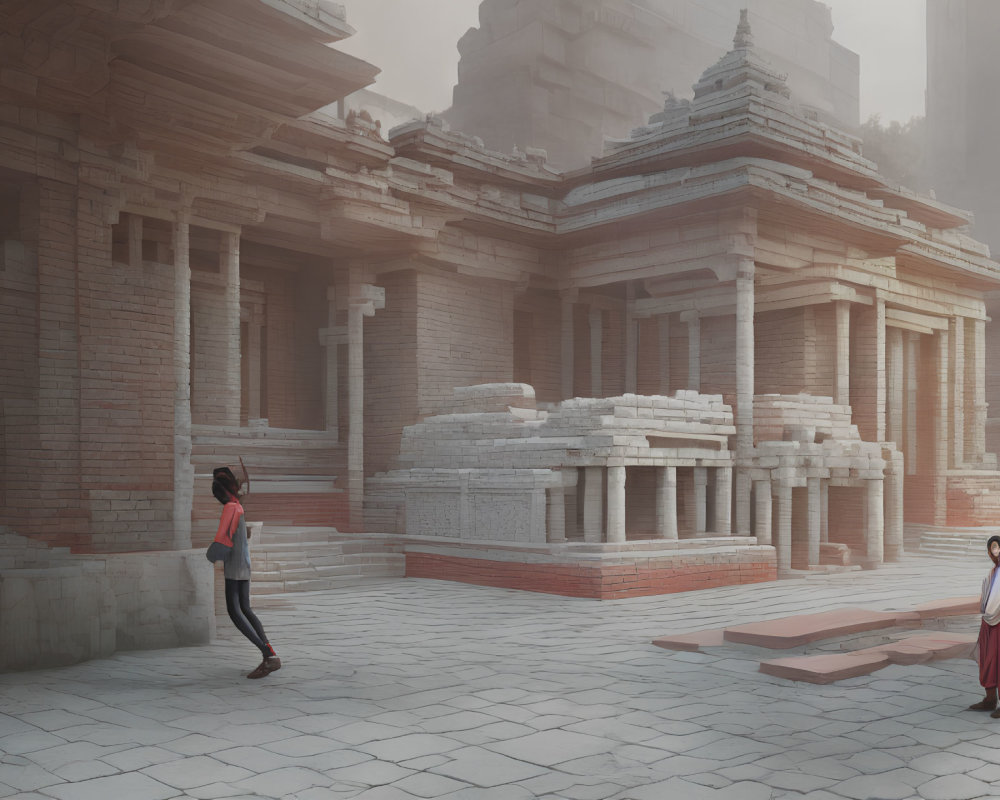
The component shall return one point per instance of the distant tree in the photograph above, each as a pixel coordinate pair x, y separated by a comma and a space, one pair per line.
899, 150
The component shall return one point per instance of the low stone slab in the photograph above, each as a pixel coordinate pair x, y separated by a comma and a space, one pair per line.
789, 632
930, 646
692, 641
950, 607
828, 668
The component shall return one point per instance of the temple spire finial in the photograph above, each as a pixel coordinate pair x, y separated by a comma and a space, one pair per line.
743, 38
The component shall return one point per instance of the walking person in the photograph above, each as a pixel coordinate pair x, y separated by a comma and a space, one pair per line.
231, 546
988, 646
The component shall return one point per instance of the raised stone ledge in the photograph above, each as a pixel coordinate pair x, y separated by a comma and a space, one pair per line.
57, 608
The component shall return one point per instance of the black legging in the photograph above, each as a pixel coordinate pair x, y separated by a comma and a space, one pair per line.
246, 622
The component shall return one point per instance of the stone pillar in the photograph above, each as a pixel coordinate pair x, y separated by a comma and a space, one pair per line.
631, 340
229, 378
255, 324
331, 337
694, 351
556, 514
814, 515
616, 504
723, 500
842, 385
956, 358
893, 489
880, 391
593, 504
941, 433
700, 499
663, 325
976, 376
912, 382
567, 301
596, 356
744, 389
824, 511
666, 502
183, 470
363, 302
783, 545
894, 384
875, 522
762, 511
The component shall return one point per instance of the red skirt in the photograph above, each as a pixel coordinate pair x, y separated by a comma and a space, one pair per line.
989, 655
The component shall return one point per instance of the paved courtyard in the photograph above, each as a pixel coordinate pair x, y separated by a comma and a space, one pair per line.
420, 689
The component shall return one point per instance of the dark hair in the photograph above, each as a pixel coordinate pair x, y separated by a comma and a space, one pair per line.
989, 542
221, 492
225, 477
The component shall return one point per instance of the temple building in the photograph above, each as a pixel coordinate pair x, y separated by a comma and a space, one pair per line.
726, 351
962, 163
563, 76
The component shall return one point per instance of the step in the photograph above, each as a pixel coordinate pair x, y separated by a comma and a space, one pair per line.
318, 584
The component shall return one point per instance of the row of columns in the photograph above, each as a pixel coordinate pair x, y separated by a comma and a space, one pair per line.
363, 300
883, 518
604, 509
744, 300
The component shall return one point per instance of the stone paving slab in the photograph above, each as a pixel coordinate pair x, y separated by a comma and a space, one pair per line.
692, 641
825, 667
802, 629
949, 607
410, 689
831, 667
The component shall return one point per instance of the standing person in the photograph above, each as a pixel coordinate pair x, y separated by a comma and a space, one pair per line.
231, 546
988, 646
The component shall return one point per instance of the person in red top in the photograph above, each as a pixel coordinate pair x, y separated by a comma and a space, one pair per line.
231, 547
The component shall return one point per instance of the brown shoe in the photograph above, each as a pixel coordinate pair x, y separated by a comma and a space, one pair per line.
988, 703
266, 667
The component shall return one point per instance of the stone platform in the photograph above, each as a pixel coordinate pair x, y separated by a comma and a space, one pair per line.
602, 571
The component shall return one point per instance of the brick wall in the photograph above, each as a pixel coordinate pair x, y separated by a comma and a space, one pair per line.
126, 396
19, 334
538, 344
678, 354
847, 517
464, 333
863, 375
613, 353
51, 466
647, 370
644, 576
436, 332
718, 355
581, 351
779, 352
390, 371
310, 316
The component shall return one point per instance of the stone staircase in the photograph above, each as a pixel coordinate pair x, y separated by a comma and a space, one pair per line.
949, 542
311, 559
306, 559
297, 510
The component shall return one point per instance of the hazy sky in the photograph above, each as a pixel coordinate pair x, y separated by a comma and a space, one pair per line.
414, 42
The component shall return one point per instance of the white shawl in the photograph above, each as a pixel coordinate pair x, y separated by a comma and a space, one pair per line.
989, 604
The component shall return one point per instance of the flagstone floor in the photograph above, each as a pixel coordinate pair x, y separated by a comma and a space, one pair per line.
406, 688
